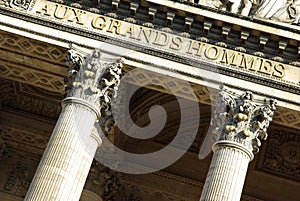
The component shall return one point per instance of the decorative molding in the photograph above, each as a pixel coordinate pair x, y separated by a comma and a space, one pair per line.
32, 62
286, 117
29, 99
28, 75
33, 48
155, 81
241, 120
163, 83
24, 138
282, 154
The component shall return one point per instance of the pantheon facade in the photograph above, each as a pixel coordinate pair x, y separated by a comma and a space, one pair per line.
149, 100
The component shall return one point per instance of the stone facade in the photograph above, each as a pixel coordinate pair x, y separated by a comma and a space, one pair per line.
54, 52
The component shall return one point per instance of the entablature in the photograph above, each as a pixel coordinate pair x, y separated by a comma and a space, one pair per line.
158, 46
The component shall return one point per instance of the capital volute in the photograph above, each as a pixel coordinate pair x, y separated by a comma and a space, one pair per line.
242, 120
93, 82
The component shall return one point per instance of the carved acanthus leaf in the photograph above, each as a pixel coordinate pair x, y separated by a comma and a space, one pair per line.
91, 79
96, 82
109, 87
242, 120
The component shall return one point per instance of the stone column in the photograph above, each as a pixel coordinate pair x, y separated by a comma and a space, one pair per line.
67, 159
240, 124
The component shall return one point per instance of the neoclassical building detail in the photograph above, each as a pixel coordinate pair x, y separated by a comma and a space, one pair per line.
103, 182
97, 84
19, 167
286, 11
240, 123
2, 146
19, 5
89, 84
282, 155
242, 120
70, 94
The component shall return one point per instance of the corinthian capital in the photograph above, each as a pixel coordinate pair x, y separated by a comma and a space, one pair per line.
93, 80
241, 120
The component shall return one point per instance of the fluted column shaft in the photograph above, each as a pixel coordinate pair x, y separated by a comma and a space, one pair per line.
240, 124
65, 164
227, 172
85, 165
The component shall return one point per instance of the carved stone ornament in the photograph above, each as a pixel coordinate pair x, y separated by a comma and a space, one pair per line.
287, 11
282, 155
96, 82
241, 120
103, 181
16, 4
2, 147
290, 13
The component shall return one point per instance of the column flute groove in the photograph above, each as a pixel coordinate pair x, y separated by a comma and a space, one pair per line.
66, 161
240, 124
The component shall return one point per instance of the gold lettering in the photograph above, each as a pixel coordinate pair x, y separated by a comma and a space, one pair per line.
64, 12
161, 41
279, 70
214, 54
130, 30
176, 43
46, 8
77, 16
266, 67
147, 35
229, 59
247, 63
198, 47
114, 24
99, 22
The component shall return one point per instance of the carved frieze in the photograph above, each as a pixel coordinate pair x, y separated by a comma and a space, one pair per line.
19, 179
16, 171
131, 197
2, 146
285, 11
103, 181
282, 154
